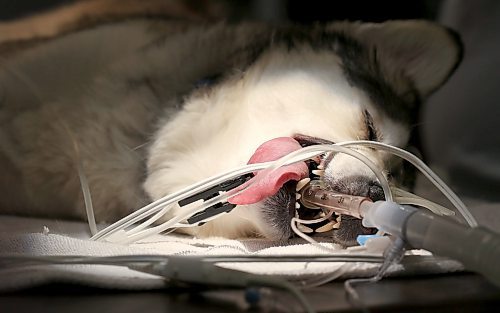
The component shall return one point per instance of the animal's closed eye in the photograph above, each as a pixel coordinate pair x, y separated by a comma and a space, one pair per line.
371, 131
208, 80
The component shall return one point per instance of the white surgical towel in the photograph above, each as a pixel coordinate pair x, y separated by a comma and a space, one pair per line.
38, 237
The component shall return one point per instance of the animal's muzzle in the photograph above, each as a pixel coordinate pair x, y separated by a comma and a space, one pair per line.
358, 186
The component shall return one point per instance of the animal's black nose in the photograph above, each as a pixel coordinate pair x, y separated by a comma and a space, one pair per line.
359, 186
375, 192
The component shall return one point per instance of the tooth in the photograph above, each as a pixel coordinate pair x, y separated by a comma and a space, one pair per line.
321, 167
297, 196
302, 183
336, 225
297, 205
339, 218
325, 228
318, 172
304, 229
317, 216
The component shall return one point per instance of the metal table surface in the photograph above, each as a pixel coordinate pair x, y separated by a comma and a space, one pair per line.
462, 292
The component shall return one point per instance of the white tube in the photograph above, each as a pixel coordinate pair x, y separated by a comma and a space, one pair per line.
163, 205
311, 151
405, 197
87, 198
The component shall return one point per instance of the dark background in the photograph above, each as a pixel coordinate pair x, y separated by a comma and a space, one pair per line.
275, 10
459, 126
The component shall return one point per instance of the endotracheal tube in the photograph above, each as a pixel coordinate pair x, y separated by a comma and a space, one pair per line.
313, 195
477, 248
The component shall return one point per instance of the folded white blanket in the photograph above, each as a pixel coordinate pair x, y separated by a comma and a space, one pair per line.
39, 237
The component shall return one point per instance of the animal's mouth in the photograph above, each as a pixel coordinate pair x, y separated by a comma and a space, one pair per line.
280, 192
344, 229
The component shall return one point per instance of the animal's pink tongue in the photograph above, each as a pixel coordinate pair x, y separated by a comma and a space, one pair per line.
266, 183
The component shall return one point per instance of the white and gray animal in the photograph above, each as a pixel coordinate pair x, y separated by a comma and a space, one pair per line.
145, 107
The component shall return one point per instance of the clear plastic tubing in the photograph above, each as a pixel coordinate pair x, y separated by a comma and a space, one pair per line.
424, 169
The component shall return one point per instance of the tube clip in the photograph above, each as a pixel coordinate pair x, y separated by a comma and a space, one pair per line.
210, 193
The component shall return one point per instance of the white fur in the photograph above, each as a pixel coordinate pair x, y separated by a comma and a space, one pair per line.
285, 93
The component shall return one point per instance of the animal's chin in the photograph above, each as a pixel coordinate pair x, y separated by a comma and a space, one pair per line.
277, 212
279, 208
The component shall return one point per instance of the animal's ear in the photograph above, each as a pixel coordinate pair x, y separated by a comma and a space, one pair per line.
422, 51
